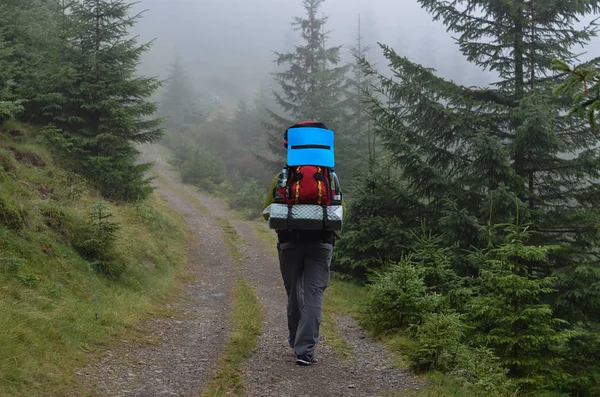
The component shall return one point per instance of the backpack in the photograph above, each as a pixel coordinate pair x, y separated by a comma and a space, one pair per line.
309, 176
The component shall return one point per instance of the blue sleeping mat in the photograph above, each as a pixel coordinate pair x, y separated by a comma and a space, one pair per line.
310, 146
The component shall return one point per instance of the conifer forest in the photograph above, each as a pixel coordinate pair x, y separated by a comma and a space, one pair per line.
467, 147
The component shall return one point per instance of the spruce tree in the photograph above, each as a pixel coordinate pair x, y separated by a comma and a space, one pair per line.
466, 152
7, 107
51, 72
360, 140
5, 70
105, 111
179, 104
29, 28
509, 314
312, 86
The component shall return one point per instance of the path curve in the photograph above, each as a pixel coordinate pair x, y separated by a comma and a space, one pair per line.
189, 347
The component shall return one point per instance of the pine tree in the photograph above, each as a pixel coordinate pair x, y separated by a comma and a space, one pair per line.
467, 152
25, 33
105, 112
359, 136
378, 226
5, 80
245, 125
248, 133
313, 84
179, 104
509, 314
29, 29
51, 72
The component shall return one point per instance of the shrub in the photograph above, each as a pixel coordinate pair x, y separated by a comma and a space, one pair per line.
248, 195
95, 242
438, 340
398, 297
7, 160
10, 214
440, 346
202, 169
8, 110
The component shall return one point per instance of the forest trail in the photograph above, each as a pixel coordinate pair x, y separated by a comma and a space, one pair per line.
184, 351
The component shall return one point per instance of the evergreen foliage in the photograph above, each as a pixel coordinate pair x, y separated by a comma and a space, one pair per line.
179, 103
358, 140
587, 96
376, 229
104, 111
509, 313
5, 70
465, 153
312, 85
95, 240
35, 31
498, 307
399, 297
462, 157
439, 345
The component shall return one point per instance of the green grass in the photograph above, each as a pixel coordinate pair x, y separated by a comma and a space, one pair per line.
58, 313
246, 320
340, 298
232, 239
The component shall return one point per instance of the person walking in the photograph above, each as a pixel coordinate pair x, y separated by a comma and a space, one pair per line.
304, 261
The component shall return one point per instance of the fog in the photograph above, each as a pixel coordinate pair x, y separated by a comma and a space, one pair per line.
227, 46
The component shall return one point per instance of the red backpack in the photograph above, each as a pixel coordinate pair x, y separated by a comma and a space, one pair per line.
307, 184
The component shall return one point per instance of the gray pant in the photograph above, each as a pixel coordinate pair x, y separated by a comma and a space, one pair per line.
305, 271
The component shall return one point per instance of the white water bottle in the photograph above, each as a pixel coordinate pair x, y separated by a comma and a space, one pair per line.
284, 177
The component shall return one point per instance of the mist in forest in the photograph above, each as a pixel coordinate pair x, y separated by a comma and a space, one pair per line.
227, 46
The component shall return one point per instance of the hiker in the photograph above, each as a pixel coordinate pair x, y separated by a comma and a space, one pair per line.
304, 258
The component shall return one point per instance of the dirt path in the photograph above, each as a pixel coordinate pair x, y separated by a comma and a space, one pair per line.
273, 371
179, 364
180, 353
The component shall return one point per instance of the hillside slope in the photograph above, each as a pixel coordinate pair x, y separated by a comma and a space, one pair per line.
76, 272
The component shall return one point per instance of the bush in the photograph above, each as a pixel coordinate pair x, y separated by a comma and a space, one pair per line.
398, 297
481, 371
10, 214
95, 241
375, 228
203, 169
439, 345
8, 110
246, 195
7, 160
438, 342
509, 313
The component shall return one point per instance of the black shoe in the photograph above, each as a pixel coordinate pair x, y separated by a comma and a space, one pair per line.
306, 360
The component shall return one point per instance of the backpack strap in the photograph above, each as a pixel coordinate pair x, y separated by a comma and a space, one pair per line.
289, 216
325, 218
